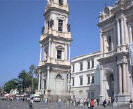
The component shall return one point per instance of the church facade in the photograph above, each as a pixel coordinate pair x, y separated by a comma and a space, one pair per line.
55, 45
115, 79
116, 34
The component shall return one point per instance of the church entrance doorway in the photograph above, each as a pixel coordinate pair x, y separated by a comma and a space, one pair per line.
110, 80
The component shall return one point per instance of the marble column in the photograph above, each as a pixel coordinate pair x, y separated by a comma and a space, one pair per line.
39, 82
65, 51
116, 79
126, 31
49, 53
120, 78
48, 78
131, 86
69, 52
42, 81
101, 42
130, 33
40, 53
123, 31
118, 32
102, 90
43, 53
125, 85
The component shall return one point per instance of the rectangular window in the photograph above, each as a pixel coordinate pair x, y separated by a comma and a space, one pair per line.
81, 66
60, 25
88, 64
88, 79
60, 2
59, 54
92, 63
72, 81
81, 80
109, 43
92, 81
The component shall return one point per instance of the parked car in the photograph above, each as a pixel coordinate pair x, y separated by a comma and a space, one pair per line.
37, 99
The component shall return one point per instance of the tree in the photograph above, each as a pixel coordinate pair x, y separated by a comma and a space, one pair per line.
24, 80
12, 84
32, 71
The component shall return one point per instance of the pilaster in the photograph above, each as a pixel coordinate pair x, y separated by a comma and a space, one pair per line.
118, 32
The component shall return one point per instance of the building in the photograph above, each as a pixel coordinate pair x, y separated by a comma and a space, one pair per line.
116, 34
55, 44
85, 81
104, 74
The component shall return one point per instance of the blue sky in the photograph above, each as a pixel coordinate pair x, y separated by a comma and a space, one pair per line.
20, 29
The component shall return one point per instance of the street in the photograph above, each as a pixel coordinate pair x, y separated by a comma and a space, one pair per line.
40, 105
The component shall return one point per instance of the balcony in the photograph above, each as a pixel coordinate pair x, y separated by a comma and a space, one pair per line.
66, 35
120, 50
55, 5
55, 62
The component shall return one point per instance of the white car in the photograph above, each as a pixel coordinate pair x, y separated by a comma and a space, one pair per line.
36, 99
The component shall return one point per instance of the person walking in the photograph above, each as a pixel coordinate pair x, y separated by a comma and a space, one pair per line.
46, 101
130, 103
104, 103
88, 103
59, 102
112, 101
31, 103
97, 101
91, 103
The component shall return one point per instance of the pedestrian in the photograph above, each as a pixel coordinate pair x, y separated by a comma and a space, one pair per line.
130, 103
97, 101
91, 103
112, 101
59, 102
81, 102
46, 101
88, 103
104, 103
31, 103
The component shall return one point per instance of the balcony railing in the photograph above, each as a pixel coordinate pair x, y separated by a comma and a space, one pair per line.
54, 61
56, 33
119, 49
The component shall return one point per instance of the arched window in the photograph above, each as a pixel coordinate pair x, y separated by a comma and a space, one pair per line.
58, 76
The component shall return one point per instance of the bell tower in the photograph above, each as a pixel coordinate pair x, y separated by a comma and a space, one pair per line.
55, 45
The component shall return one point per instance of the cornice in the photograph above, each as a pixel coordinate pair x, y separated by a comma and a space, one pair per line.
55, 9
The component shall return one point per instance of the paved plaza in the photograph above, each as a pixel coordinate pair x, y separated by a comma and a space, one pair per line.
40, 105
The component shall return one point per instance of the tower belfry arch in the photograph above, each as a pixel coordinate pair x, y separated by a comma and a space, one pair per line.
55, 53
